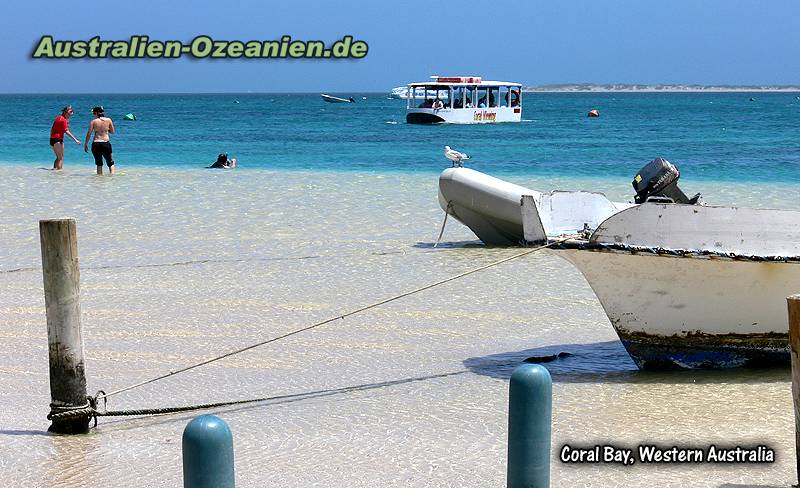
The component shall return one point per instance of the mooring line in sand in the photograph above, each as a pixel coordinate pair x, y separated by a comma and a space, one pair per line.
104, 396
214, 261
446, 213
19, 270
177, 263
91, 410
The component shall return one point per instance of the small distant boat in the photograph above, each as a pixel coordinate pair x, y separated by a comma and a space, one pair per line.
332, 99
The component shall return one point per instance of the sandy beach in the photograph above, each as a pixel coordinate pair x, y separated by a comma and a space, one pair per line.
170, 278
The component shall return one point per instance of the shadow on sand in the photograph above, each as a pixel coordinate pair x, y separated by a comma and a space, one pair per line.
453, 245
608, 362
26, 432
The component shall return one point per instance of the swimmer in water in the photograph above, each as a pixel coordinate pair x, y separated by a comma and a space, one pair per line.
223, 162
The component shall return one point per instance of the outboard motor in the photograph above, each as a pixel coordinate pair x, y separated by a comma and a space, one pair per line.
658, 182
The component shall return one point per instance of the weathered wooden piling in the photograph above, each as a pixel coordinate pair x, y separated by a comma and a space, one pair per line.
62, 302
530, 406
208, 453
793, 303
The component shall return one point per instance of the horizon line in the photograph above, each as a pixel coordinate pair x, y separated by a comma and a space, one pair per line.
555, 87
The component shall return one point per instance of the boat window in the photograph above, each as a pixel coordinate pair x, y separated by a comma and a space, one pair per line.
504, 98
426, 96
516, 96
493, 96
480, 94
469, 102
458, 97
442, 94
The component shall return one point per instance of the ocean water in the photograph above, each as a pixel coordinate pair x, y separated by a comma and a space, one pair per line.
717, 136
332, 208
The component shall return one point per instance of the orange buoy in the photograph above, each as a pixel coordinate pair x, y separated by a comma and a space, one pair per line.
593, 113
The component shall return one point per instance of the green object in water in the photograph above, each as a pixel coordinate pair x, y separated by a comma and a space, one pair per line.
530, 420
129, 117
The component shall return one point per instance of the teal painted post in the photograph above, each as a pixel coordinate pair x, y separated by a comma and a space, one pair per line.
530, 405
208, 454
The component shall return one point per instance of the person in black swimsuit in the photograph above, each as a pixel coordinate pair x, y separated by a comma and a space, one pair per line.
223, 162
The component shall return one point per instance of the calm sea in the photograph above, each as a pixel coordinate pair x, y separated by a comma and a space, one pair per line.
717, 136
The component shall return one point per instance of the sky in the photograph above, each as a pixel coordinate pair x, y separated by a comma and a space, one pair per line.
533, 42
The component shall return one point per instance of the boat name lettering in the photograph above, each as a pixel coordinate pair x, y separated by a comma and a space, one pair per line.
485, 115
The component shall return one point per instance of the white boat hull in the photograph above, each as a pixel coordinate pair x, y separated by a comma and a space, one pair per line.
332, 99
701, 312
463, 115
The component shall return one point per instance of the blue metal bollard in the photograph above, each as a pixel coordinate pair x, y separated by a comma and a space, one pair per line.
530, 409
208, 453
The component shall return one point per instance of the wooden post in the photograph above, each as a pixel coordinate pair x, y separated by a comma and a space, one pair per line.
62, 302
794, 341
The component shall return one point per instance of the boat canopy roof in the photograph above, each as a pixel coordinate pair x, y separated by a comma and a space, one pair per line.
446, 81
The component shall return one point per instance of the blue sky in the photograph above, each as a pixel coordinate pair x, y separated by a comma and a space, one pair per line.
533, 42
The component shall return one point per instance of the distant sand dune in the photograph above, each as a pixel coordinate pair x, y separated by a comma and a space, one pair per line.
625, 87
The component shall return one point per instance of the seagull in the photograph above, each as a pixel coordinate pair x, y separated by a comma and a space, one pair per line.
456, 157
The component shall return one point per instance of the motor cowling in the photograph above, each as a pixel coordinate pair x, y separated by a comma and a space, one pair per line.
657, 181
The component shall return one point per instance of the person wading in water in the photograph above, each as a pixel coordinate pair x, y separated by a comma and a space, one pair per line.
101, 145
61, 127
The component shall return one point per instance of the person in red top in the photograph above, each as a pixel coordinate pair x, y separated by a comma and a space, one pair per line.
61, 127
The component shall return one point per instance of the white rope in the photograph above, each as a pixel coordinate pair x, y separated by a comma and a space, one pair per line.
446, 213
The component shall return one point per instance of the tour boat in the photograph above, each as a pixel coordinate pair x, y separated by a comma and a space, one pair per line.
463, 100
685, 285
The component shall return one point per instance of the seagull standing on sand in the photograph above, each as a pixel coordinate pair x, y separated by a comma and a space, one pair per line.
456, 157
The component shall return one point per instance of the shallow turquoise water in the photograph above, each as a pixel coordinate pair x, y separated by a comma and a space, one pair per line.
710, 136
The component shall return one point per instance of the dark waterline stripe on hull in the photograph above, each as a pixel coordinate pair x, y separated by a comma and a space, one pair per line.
423, 118
683, 354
